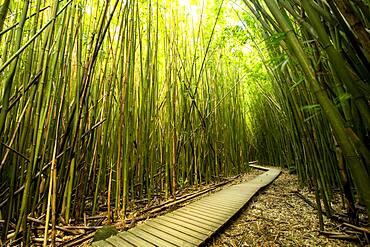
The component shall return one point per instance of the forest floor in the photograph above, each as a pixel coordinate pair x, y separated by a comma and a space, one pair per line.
278, 217
139, 211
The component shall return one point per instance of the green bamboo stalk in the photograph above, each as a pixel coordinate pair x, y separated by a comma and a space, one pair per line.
10, 78
356, 25
3, 12
355, 164
338, 63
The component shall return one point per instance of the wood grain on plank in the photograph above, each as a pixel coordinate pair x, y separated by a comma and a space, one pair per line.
179, 231
194, 221
118, 242
151, 237
187, 225
133, 239
165, 235
101, 243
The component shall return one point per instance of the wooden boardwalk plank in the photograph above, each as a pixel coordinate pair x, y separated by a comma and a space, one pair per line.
117, 241
203, 213
182, 232
151, 237
102, 243
219, 201
196, 222
212, 209
133, 239
219, 204
164, 235
190, 225
199, 217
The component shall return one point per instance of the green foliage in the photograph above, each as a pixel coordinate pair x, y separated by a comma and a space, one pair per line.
126, 100
275, 39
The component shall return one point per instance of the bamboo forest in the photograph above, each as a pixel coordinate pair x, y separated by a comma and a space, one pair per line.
119, 115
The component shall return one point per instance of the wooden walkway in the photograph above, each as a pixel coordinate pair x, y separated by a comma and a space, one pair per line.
196, 222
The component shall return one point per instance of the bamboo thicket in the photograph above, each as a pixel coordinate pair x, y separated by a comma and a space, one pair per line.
105, 103
318, 61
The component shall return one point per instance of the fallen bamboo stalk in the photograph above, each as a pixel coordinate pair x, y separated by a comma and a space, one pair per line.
357, 228
338, 235
83, 227
57, 227
78, 240
41, 240
333, 216
96, 217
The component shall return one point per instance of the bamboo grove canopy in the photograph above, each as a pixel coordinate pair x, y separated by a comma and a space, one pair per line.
104, 103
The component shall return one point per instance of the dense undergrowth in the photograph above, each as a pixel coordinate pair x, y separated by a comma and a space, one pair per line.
128, 100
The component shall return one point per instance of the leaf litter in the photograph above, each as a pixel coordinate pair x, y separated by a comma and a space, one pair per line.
277, 217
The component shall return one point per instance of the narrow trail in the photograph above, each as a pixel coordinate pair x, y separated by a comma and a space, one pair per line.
195, 223
277, 217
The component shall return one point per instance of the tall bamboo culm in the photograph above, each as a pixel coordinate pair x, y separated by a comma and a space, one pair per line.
110, 97
320, 71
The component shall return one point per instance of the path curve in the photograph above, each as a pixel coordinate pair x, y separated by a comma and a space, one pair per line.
195, 223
